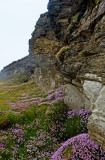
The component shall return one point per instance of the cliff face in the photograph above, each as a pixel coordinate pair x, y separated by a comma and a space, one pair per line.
24, 66
82, 69
80, 25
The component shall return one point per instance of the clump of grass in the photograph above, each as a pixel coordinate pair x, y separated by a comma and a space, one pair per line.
81, 54
58, 118
70, 27
73, 22
19, 78
69, 124
3, 120
68, 152
76, 17
60, 55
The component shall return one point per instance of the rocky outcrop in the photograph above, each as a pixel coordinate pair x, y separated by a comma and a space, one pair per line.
75, 98
82, 69
96, 124
89, 93
80, 25
24, 66
45, 74
48, 37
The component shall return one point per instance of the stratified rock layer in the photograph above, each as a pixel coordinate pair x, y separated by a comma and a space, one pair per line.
83, 69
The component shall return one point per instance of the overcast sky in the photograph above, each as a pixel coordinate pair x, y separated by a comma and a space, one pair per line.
17, 22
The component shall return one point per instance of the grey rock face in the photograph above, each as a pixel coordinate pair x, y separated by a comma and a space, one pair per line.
96, 124
74, 98
24, 66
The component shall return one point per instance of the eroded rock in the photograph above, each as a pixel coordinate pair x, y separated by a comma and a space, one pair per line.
74, 98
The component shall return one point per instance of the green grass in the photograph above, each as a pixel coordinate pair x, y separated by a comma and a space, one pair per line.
76, 17
22, 131
11, 93
74, 127
60, 55
68, 152
73, 23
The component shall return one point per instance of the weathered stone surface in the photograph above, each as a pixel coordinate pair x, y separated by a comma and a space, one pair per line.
90, 96
74, 98
92, 77
96, 124
23, 66
47, 79
92, 90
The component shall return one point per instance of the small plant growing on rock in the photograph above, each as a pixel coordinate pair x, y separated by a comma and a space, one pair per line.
81, 54
75, 18
74, 21
61, 53
70, 27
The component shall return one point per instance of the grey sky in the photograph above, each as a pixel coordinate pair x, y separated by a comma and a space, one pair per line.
17, 21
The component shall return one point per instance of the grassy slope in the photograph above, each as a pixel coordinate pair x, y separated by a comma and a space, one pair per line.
23, 127
30, 126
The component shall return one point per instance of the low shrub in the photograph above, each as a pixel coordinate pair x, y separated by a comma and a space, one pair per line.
73, 22
76, 17
58, 118
76, 122
70, 27
68, 124
19, 79
61, 53
81, 54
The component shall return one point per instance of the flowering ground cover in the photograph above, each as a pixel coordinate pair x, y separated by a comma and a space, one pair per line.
79, 147
35, 124
25, 127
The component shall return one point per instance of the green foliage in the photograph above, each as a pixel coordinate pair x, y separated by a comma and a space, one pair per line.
73, 22
76, 17
4, 155
70, 27
68, 152
81, 54
28, 115
27, 126
3, 120
60, 55
74, 127
58, 118
14, 118
22, 118
64, 127
20, 78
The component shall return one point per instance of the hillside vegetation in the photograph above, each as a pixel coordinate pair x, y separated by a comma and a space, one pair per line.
53, 108
34, 124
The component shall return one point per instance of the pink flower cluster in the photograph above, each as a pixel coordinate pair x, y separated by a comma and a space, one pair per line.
59, 127
25, 101
82, 113
52, 97
18, 134
40, 146
81, 148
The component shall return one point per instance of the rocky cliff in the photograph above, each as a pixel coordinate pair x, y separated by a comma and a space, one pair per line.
79, 26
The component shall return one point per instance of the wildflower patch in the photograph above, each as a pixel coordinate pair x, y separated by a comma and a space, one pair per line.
79, 147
